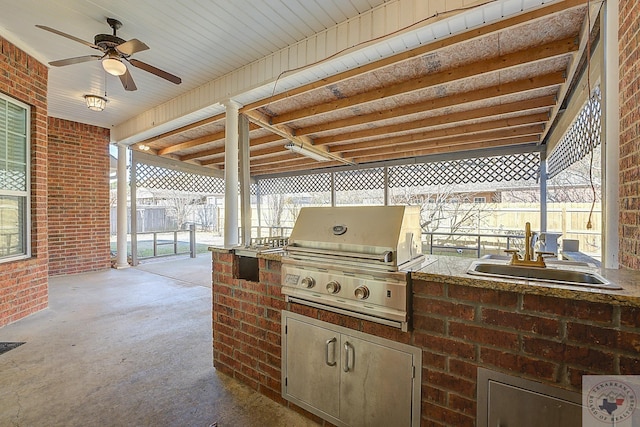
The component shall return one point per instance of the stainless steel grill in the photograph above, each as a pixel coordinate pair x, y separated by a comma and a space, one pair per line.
354, 260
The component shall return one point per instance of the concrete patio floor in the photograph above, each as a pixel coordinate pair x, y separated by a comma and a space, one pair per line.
128, 347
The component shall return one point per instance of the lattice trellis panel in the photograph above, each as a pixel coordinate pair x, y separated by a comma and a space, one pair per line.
149, 176
362, 179
580, 139
295, 184
515, 167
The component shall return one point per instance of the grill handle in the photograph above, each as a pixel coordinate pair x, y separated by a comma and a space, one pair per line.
386, 256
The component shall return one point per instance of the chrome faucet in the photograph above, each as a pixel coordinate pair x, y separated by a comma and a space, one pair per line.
528, 252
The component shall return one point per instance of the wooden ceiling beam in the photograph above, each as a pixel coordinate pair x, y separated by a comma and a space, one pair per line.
400, 143
478, 68
204, 153
185, 128
205, 139
191, 143
291, 167
429, 150
434, 46
500, 90
286, 132
387, 131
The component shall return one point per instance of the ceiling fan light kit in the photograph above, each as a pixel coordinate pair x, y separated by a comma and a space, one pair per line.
95, 102
113, 66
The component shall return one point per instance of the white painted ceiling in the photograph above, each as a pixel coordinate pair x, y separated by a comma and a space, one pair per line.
197, 40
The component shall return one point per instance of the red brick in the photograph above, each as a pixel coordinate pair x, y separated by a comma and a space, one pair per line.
521, 322
449, 417
583, 356
629, 366
339, 319
434, 394
591, 335
26, 80
387, 332
444, 345
434, 360
630, 316
450, 382
462, 404
433, 307
422, 288
533, 368
463, 368
479, 334
428, 323
484, 296
574, 309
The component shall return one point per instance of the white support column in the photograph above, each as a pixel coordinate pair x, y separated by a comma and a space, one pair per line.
543, 192
121, 218
611, 139
231, 155
245, 180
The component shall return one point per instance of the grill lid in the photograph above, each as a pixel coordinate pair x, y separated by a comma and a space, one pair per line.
388, 234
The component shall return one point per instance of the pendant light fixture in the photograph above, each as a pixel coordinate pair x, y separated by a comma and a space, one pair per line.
96, 102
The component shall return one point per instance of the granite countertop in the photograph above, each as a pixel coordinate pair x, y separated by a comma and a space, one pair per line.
448, 269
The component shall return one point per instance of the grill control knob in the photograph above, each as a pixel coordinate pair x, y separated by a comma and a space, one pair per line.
308, 282
333, 287
361, 292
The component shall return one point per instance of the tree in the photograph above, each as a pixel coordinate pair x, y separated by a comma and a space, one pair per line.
181, 204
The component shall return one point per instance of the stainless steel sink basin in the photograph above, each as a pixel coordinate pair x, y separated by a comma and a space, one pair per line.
547, 261
551, 275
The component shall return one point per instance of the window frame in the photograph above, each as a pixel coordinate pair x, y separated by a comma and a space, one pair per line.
26, 194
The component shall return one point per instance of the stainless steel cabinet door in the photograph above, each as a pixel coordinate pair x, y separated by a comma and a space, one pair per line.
313, 366
376, 385
511, 406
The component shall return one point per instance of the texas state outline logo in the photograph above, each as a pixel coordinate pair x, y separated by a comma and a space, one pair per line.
610, 400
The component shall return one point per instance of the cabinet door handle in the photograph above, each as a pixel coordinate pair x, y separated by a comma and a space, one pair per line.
347, 349
326, 355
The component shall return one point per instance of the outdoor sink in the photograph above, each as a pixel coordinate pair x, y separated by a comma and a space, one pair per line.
551, 275
547, 260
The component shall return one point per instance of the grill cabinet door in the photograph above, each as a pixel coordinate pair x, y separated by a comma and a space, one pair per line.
313, 366
377, 384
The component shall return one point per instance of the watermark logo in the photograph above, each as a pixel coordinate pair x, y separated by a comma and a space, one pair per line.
610, 400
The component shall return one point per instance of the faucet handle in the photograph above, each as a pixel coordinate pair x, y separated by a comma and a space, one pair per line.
543, 253
540, 256
514, 254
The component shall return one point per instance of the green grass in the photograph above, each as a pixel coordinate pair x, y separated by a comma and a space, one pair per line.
145, 248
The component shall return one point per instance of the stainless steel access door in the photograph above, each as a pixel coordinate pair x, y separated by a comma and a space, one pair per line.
376, 386
313, 366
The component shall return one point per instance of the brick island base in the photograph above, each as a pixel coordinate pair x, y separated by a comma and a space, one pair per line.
459, 328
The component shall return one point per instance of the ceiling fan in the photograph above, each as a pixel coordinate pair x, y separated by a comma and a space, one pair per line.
114, 51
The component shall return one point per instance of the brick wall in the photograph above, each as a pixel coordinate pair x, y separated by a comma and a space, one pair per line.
246, 324
458, 328
78, 200
629, 45
23, 284
542, 338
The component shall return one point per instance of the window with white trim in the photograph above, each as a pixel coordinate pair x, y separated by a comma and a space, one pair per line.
15, 185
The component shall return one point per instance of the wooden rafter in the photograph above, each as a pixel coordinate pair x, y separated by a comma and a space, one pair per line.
486, 65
